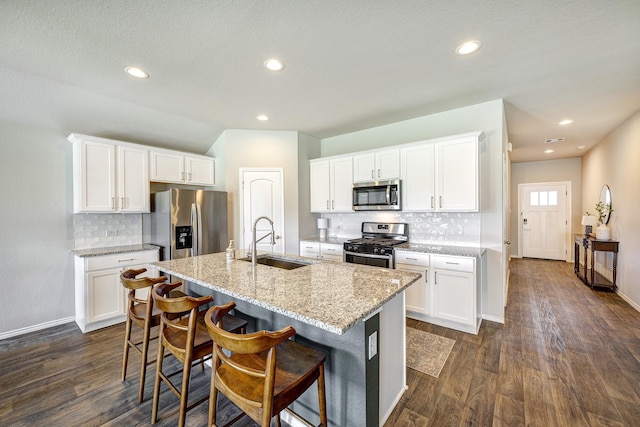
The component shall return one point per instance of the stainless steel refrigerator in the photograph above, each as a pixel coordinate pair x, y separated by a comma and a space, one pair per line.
187, 223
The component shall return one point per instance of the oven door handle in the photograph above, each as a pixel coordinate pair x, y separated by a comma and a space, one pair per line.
368, 255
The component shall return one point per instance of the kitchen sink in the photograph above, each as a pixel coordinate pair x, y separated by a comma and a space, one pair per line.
272, 261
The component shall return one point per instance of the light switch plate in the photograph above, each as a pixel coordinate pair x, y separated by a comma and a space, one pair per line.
373, 344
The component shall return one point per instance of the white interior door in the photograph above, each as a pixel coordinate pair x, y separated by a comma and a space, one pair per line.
262, 195
543, 220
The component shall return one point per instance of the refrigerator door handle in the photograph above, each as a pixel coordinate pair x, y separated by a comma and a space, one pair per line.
199, 230
195, 242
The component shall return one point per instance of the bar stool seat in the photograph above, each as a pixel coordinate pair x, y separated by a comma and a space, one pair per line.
263, 372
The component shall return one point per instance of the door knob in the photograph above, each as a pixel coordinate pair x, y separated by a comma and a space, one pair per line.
277, 236
507, 242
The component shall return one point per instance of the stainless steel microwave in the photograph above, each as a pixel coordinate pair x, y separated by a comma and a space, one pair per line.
377, 196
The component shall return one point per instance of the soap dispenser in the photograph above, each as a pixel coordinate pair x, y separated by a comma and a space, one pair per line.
231, 251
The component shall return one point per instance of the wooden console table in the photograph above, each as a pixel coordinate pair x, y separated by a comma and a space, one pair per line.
588, 274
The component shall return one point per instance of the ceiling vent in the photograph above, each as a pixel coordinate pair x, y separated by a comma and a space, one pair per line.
552, 140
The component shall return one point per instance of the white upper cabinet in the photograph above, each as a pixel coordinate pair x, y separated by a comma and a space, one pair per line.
377, 166
177, 167
457, 174
441, 175
109, 176
331, 183
418, 177
200, 170
133, 179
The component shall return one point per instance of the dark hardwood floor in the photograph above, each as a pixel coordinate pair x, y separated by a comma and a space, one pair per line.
566, 356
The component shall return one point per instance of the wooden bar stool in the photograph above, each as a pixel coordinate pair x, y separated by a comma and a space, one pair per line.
142, 313
186, 338
265, 372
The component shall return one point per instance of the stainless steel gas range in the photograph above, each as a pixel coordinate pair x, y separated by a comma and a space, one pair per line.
375, 247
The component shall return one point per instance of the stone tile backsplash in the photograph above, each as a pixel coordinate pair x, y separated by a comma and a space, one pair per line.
461, 229
104, 230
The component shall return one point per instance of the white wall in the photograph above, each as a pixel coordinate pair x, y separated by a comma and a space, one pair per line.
237, 149
487, 117
547, 171
614, 161
36, 225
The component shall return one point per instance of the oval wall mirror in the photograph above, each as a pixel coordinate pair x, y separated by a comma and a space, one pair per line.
605, 197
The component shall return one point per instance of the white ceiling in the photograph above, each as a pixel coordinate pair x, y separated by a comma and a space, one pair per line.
350, 65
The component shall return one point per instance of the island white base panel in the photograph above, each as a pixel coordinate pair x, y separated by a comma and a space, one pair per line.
360, 390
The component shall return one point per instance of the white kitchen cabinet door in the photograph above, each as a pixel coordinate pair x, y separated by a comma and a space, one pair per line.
331, 185
133, 180
200, 170
181, 168
457, 175
377, 165
364, 166
167, 166
105, 295
453, 296
416, 295
320, 185
418, 178
94, 177
387, 164
341, 184
454, 289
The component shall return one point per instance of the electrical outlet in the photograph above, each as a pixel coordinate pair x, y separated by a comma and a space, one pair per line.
373, 344
111, 233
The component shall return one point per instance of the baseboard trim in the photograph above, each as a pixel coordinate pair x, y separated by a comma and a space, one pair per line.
33, 328
629, 301
493, 318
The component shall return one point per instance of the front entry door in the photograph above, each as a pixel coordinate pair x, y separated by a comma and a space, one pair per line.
262, 195
543, 220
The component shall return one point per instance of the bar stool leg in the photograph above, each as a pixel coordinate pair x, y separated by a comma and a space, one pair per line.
144, 364
125, 355
322, 398
156, 387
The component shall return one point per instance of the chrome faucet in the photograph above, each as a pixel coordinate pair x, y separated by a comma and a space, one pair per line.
254, 241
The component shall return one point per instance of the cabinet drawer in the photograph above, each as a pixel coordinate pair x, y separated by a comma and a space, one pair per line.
412, 258
331, 250
453, 263
120, 260
310, 247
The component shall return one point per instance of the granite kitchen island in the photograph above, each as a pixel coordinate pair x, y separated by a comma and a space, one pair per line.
354, 314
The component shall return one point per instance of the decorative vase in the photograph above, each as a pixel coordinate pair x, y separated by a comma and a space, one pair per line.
603, 232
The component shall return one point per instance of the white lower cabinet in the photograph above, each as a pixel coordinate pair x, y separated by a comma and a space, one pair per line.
101, 300
417, 299
454, 291
449, 293
324, 251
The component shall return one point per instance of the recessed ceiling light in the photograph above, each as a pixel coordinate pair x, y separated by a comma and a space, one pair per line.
273, 65
581, 147
566, 122
552, 140
136, 72
548, 151
262, 118
468, 47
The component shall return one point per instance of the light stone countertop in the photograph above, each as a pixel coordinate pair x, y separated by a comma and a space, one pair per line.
111, 250
436, 249
329, 295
